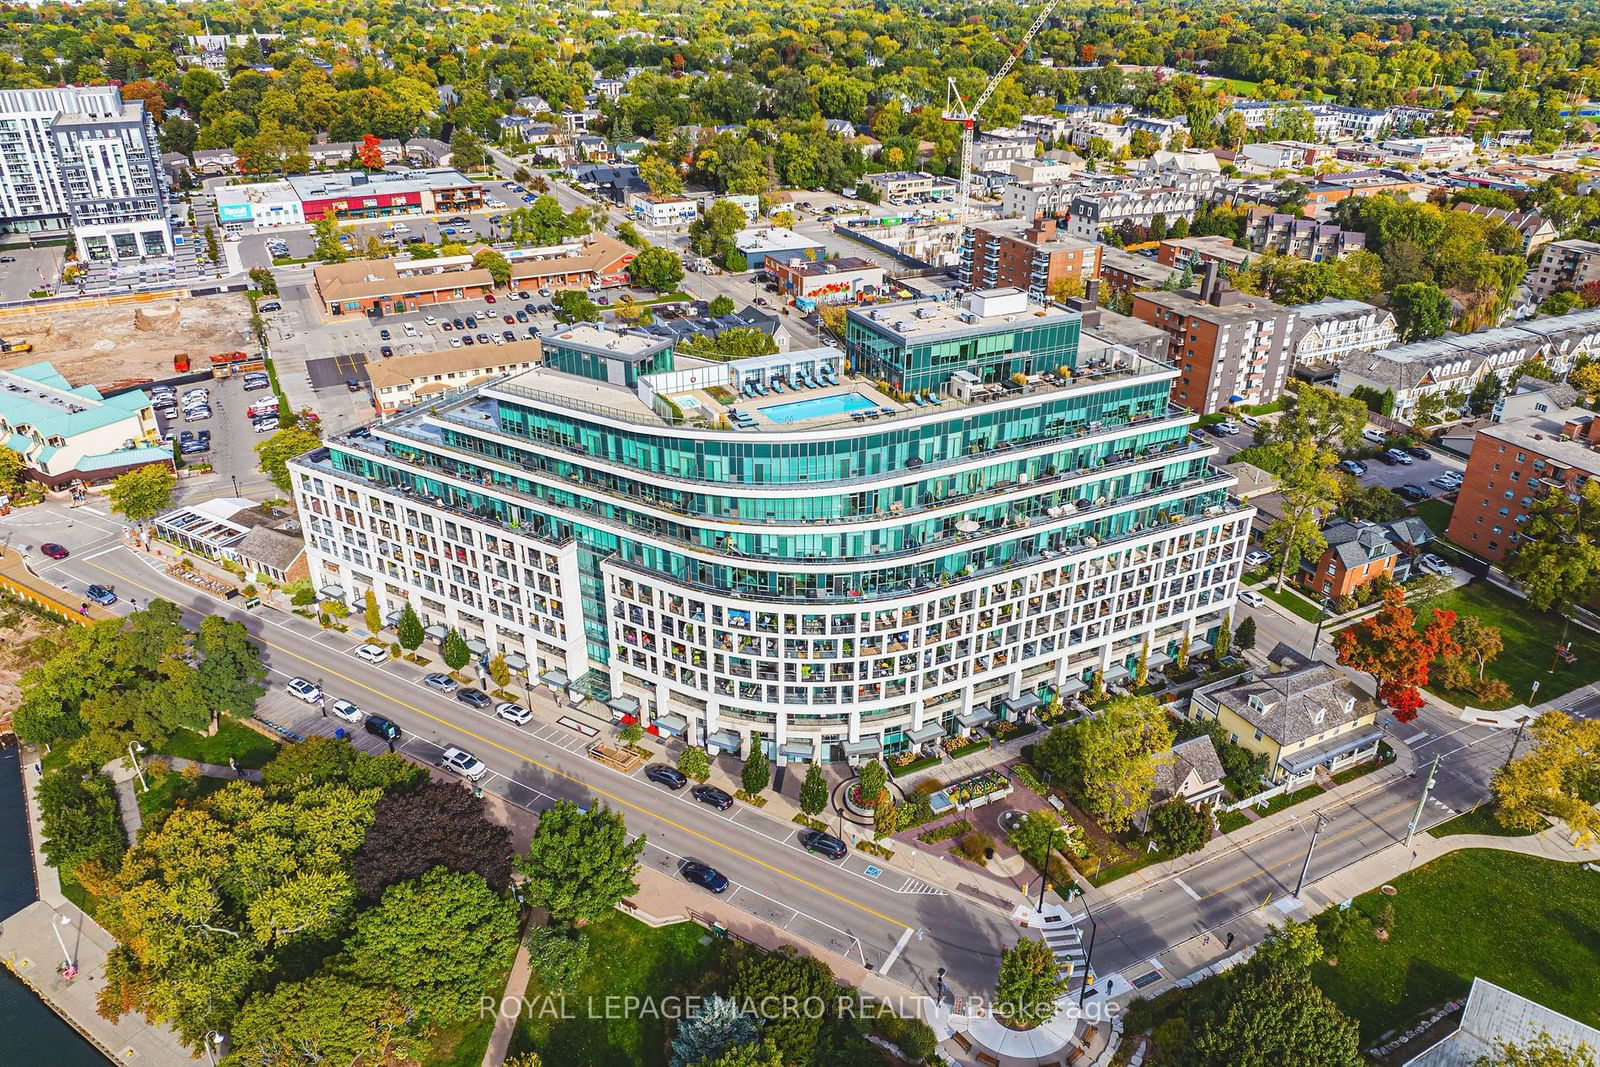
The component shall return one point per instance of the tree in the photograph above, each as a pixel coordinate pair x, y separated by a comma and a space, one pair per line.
694, 763
1421, 310
1178, 829
657, 269
1141, 670
372, 616
264, 280
498, 266
1310, 491
1478, 641
720, 305
466, 150
579, 865
274, 453
786, 986
409, 631
370, 152
454, 651
1374, 503
757, 771
1244, 635
712, 233
1180, 662
558, 954
1108, 761
1388, 646
629, 235
813, 791
1224, 642
327, 246
326, 1017
1063, 289
884, 819
436, 825
1541, 1051
1558, 777
705, 1033
735, 262
1040, 833
660, 176
574, 305
1330, 421
437, 941
229, 673
499, 670
1558, 561
144, 492
318, 761
1029, 982
763, 1053
79, 820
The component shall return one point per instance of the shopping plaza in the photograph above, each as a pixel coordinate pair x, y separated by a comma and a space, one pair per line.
965, 514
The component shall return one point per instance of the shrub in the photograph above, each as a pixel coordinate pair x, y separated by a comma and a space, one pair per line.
976, 847
559, 957
945, 832
694, 763
303, 597
913, 1037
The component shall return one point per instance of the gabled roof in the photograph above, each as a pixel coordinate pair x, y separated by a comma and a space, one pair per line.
1286, 706
1197, 756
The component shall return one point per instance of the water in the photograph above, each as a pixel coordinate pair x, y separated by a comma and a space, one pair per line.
818, 407
33, 1034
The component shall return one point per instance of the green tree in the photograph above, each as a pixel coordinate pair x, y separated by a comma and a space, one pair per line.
409, 630
629, 235
327, 246
813, 791
763, 1053
720, 305
694, 763
144, 492
558, 954
1421, 310
264, 280
705, 1033
657, 269
1224, 643
372, 616
498, 266
1329, 421
1141, 670
274, 453
1310, 491
785, 987
1029, 982
1109, 761
454, 651
79, 820
1558, 561
574, 305
712, 233
1244, 635
757, 772
734, 260
437, 941
1541, 1051
660, 176
466, 150
579, 865
343, 1021
229, 674
1179, 829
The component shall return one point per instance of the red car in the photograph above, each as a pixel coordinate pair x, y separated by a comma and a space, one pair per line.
488, 298
53, 550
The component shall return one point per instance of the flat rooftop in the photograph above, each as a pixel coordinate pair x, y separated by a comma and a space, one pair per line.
772, 239
983, 311
626, 343
817, 268
1541, 434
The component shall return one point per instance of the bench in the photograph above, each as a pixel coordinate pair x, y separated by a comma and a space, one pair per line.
990, 1061
962, 1040
1075, 1055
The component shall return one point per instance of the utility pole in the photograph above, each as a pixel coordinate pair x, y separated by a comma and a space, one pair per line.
1427, 787
1517, 740
1322, 619
1305, 868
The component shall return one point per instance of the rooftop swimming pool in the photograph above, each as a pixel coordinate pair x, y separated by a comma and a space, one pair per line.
818, 407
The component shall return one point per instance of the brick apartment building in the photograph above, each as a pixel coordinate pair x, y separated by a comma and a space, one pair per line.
1359, 552
1031, 256
1229, 348
1511, 464
1564, 265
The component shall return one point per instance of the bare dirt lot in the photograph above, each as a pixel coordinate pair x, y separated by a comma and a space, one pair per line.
103, 345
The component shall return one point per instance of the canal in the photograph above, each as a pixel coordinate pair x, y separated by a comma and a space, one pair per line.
33, 1034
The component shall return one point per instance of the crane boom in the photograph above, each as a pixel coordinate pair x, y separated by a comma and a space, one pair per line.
956, 109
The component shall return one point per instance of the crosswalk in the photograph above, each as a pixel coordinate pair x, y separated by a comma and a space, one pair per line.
916, 886
1066, 944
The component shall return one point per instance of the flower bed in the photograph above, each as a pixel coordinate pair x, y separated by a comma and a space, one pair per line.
911, 766
956, 747
977, 791
1010, 731
1024, 774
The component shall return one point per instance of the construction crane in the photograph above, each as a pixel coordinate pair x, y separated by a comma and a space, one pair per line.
956, 109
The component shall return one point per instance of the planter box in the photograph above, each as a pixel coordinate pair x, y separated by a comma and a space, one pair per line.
978, 802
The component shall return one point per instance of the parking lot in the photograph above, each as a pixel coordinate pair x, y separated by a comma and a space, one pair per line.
233, 439
1418, 472
29, 269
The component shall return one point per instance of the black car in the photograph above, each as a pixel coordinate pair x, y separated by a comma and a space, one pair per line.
710, 794
705, 877
458, 324
1386, 459
472, 322
522, 316
1414, 492
827, 844
383, 335
466, 339
386, 351
378, 726
204, 439
508, 335
1419, 452
670, 777
476, 698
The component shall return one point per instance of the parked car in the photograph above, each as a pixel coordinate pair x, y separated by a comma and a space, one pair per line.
1251, 597
1449, 483
1353, 467
378, 726
383, 335
196, 414
670, 777
1387, 460
1377, 437
53, 550
372, 653
303, 690
473, 698
266, 425
1419, 452
1250, 421
343, 709
441, 682
513, 713
385, 351
1414, 492
826, 844
101, 595
1256, 558
710, 794
704, 876
1400, 456
1429, 563
472, 323
460, 761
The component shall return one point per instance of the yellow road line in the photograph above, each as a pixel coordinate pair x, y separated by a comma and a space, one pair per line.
1299, 859
618, 801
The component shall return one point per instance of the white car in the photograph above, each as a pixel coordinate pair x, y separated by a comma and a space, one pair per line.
1432, 564
455, 342
1256, 558
373, 653
1250, 421
301, 689
1251, 597
1377, 437
430, 320
411, 329
512, 712
343, 709
460, 761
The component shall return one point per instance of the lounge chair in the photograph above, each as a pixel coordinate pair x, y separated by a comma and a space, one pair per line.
761, 389
917, 398
777, 386
858, 416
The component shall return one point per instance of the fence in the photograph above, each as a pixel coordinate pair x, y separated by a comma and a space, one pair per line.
20, 582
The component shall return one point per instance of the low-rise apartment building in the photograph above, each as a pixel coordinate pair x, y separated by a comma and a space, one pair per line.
1360, 552
1031, 256
427, 376
828, 281
1196, 252
1329, 331
1536, 230
898, 186
1291, 235
1563, 265
1129, 272
1091, 214
655, 210
66, 433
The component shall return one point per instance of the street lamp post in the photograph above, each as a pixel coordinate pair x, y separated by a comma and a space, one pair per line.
213, 1038
134, 748
66, 955
1517, 740
1088, 956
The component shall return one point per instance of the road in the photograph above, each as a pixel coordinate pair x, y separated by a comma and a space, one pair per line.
842, 907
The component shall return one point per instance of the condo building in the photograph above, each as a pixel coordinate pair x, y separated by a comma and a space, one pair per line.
821, 555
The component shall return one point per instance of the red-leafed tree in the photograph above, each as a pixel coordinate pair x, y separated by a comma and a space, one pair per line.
1389, 647
370, 153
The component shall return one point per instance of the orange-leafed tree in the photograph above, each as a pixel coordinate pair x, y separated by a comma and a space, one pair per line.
1389, 647
371, 152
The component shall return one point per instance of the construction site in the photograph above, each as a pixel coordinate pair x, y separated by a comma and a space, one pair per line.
124, 341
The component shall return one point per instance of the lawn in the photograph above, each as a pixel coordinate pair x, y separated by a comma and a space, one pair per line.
1292, 601
251, 749
1522, 922
1287, 800
1436, 513
1530, 638
1229, 821
626, 958
1480, 820
166, 790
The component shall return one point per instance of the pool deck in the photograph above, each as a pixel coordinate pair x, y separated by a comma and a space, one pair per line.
860, 386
